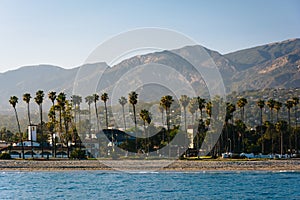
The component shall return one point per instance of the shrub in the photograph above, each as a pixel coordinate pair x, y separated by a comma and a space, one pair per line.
78, 154
5, 156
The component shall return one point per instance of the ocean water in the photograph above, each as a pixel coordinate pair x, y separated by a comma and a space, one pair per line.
149, 185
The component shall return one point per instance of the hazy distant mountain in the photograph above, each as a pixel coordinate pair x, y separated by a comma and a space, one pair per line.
271, 65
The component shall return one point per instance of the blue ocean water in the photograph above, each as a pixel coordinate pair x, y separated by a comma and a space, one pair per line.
149, 185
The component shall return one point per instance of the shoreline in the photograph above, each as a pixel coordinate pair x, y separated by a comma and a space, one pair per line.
151, 165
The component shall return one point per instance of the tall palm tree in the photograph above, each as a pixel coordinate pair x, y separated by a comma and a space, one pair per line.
13, 101
104, 98
26, 98
271, 104
96, 98
184, 100
76, 100
261, 104
39, 98
281, 126
289, 104
295, 103
277, 107
60, 105
166, 102
193, 106
51, 126
161, 110
123, 101
52, 116
52, 96
241, 104
89, 100
201, 105
133, 98
145, 115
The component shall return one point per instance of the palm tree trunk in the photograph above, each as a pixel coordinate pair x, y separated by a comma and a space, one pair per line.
97, 117
42, 136
106, 117
289, 129
124, 117
21, 134
262, 142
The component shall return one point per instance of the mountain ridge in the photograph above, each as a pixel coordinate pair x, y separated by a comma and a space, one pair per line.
270, 65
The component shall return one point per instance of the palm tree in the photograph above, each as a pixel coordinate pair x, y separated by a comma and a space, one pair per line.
161, 110
241, 104
281, 126
89, 100
261, 104
51, 126
145, 115
39, 98
76, 100
166, 102
26, 98
201, 105
52, 97
104, 98
95, 99
61, 102
13, 101
289, 104
277, 107
123, 101
52, 116
295, 103
193, 106
271, 104
184, 100
133, 97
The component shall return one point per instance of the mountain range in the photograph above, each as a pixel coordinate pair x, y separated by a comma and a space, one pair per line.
275, 65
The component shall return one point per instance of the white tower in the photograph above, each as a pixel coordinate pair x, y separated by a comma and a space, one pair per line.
32, 132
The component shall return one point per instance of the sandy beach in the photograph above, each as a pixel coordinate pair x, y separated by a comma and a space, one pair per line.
153, 165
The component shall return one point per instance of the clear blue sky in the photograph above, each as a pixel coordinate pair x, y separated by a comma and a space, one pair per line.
65, 32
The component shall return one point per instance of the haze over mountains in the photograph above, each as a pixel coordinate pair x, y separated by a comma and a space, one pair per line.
275, 65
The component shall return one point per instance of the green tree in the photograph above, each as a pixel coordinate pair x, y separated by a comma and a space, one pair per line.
145, 115
295, 104
271, 105
60, 105
184, 100
122, 102
281, 127
277, 107
201, 105
104, 98
166, 102
39, 98
193, 106
13, 101
26, 99
261, 104
96, 98
133, 98
89, 100
289, 104
52, 97
241, 104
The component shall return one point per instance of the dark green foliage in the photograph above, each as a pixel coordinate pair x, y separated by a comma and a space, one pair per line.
78, 154
5, 156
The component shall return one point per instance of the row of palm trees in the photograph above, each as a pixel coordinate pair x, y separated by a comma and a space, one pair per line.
68, 111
